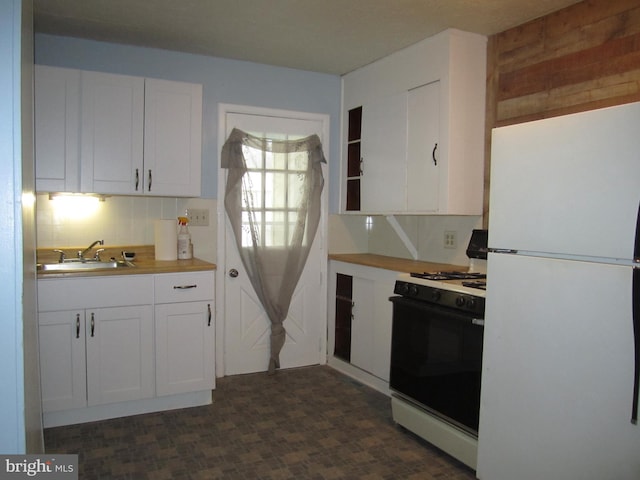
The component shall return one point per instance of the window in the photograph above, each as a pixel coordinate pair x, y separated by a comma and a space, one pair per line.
272, 189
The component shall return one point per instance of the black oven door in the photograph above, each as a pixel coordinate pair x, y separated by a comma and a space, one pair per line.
436, 360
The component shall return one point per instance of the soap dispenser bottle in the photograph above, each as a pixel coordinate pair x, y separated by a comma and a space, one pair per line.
185, 248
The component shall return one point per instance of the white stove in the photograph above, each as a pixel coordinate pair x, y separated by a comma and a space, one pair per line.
463, 294
436, 353
469, 283
472, 281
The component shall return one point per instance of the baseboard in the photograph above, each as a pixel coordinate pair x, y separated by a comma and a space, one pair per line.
125, 409
360, 375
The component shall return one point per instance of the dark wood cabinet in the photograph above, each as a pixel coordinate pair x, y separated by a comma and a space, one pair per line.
354, 159
344, 315
355, 124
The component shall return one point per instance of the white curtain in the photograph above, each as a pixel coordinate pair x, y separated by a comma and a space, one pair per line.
273, 202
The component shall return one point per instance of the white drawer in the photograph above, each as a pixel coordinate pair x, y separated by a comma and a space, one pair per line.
94, 292
184, 287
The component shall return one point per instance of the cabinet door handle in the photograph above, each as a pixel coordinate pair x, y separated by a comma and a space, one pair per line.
184, 287
150, 180
209, 314
361, 166
137, 179
77, 325
433, 154
353, 307
93, 323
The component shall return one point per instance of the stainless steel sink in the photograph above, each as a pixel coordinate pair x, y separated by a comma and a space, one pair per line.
83, 265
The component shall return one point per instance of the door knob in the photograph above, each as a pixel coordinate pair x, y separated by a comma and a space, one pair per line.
233, 273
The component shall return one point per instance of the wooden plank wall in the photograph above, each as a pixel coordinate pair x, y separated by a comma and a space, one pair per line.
582, 57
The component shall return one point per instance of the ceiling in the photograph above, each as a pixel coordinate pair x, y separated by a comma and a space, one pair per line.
329, 36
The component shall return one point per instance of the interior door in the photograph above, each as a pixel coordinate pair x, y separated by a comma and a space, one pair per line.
246, 325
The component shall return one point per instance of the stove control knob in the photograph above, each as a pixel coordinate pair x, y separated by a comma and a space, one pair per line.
460, 301
403, 288
436, 295
413, 290
471, 303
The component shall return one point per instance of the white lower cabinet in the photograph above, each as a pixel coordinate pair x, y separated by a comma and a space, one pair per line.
96, 356
360, 314
363, 329
121, 345
185, 332
63, 372
119, 354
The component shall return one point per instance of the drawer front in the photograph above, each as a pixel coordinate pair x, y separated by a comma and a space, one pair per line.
184, 287
94, 292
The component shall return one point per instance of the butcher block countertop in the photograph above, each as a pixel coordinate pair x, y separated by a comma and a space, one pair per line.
145, 262
395, 264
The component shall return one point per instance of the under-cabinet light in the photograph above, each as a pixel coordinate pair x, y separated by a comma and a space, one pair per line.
57, 195
75, 206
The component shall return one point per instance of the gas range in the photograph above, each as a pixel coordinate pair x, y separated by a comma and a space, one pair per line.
436, 353
463, 290
471, 283
460, 294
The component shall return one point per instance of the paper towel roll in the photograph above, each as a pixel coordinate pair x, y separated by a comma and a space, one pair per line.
166, 238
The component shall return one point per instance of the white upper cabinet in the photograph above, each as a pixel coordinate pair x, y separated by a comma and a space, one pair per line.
421, 136
423, 150
172, 138
133, 135
383, 150
57, 129
112, 133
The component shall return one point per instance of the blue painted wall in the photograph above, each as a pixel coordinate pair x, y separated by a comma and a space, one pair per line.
223, 80
12, 402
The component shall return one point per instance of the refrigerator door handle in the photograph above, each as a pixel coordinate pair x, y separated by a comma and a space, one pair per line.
636, 249
503, 250
636, 321
636, 337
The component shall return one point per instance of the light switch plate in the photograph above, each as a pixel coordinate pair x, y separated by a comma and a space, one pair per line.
198, 217
450, 239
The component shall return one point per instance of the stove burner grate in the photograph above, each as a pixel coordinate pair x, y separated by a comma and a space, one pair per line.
476, 284
453, 275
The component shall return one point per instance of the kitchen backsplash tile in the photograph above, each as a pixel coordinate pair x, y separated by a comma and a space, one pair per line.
426, 232
348, 234
121, 220
128, 220
374, 234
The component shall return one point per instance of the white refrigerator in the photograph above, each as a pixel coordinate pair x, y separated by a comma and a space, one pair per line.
561, 342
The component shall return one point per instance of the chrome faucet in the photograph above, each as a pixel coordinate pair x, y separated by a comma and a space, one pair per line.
62, 255
82, 253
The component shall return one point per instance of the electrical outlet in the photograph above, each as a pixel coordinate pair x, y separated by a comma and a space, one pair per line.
450, 239
198, 217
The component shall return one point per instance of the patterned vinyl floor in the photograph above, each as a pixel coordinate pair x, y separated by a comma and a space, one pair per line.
307, 423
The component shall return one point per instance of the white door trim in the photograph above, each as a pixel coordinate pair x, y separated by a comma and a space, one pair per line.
221, 271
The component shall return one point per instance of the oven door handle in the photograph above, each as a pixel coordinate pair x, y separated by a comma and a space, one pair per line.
459, 315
